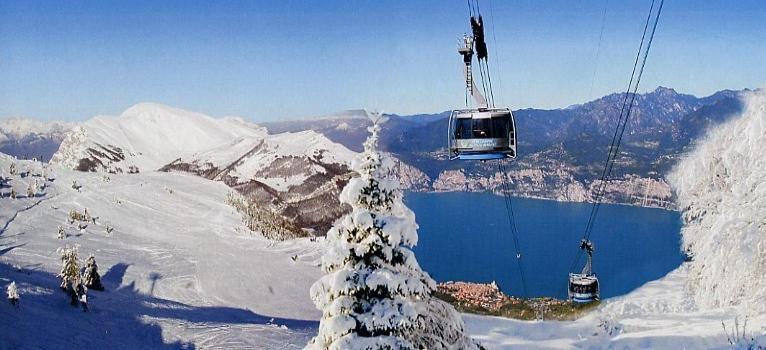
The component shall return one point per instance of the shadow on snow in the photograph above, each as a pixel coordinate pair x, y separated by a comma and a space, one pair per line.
119, 318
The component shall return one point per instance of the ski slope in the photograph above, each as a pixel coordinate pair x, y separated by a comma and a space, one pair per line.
178, 268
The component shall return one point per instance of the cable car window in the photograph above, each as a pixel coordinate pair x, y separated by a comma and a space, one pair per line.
500, 126
482, 128
463, 127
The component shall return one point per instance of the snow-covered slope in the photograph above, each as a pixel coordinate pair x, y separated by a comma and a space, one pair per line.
297, 176
280, 161
179, 268
721, 188
148, 136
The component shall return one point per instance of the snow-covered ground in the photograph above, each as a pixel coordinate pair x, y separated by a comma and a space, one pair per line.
659, 315
178, 268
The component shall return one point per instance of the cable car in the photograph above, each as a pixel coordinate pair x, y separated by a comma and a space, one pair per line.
482, 134
583, 287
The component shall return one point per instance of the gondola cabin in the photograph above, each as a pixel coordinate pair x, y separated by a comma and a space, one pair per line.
482, 134
583, 288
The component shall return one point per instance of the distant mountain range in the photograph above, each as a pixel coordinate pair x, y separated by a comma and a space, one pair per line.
561, 151
30, 138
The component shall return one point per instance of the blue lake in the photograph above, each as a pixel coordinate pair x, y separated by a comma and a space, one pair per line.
466, 237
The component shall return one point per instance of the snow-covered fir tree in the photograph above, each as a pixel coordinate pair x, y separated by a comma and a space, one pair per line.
90, 277
13, 294
61, 233
70, 268
375, 295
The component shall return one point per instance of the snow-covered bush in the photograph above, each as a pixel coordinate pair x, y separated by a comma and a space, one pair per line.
375, 296
13, 294
721, 188
74, 215
90, 277
739, 339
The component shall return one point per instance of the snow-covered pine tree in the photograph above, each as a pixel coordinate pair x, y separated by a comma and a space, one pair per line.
13, 294
61, 233
375, 296
90, 277
70, 268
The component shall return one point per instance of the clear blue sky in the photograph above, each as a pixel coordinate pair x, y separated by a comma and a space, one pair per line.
286, 59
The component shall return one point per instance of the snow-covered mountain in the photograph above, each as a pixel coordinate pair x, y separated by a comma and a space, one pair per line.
147, 136
296, 175
31, 138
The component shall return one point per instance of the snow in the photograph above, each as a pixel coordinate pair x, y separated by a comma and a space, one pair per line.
659, 315
152, 135
308, 144
179, 268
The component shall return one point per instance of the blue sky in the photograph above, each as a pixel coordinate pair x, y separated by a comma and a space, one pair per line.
287, 59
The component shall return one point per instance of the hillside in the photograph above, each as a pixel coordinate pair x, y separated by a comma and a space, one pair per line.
180, 270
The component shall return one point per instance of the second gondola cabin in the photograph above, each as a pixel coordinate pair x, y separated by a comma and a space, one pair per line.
482, 134
583, 287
